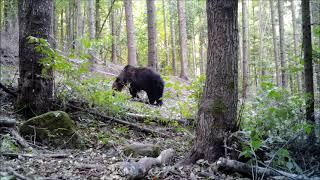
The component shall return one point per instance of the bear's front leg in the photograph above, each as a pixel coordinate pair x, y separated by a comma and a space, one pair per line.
133, 92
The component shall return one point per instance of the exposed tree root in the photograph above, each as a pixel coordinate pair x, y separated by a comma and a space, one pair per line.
233, 165
7, 90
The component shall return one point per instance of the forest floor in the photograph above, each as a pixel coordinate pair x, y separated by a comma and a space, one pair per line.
104, 148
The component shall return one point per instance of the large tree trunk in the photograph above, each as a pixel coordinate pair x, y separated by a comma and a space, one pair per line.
295, 43
275, 43
35, 89
114, 36
165, 31
118, 31
218, 106
152, 46
245, 52
132, 51
173, 40
183, 40
284, 79
70, 25
97, 19
308, 70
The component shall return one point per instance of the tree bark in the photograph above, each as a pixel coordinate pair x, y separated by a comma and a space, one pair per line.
78, 24
114, 38
152, 48
173, 39
295, 43
91, 19
166, 45
275, 43
194, 58
201, 40
261, 36
245, 52
61, 30
132, 51
308, 70
54, 26
183, 40
284, 79
35, 88
97, 19
218, 106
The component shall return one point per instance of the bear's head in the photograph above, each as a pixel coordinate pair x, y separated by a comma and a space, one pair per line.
125, 77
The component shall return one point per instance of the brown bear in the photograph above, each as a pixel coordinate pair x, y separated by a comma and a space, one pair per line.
141, 78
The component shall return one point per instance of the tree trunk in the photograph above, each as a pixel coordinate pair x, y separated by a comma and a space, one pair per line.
132, 51
173, 39
194, 58
165, 31
284, 80
295, 43
201, 40
35, 89
308, 70
70, 25
261, 36
54, 27
6, 16
183, 40
114, 36
152, 48
91, 19
119, 30
97, 24
218, 106
78, 24
275, 43
245, 52
61, 30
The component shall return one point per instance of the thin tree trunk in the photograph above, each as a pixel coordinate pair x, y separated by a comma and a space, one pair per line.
70, 24
132, 51
119, 30
284, 79
6, 16
201, 40
78, 24
61, 30
113, 34
261, 36
165, 31
194, 58
91, 32
183, 40
218, 106
295, 43
54, 26
308, 70
275, 43
35, 90
173, 39
245, 52
152, 48
97, 24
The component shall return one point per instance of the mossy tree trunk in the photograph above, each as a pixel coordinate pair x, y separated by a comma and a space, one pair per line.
218, 106
35, 88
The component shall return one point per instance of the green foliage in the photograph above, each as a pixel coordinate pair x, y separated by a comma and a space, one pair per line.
273, 117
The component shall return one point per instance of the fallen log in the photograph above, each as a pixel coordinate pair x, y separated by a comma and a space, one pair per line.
233, 165
15, 155
138, 170
132, 125
161, 120
7, 123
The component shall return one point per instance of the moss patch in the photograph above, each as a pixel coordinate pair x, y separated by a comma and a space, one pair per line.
54, 128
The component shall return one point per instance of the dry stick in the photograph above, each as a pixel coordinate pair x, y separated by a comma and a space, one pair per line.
107, 118
105, 20
19, 176
15, 155
20, 139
